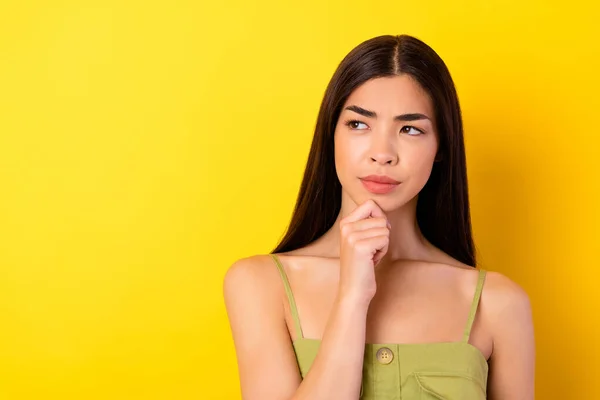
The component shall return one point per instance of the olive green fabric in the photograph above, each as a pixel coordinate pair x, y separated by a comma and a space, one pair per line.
409, 371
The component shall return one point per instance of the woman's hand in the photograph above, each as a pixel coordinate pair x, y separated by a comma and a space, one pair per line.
364, 240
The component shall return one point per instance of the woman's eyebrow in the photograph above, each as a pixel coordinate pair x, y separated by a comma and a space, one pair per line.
373, 114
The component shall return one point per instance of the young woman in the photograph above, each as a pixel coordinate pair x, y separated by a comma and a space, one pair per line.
374, 292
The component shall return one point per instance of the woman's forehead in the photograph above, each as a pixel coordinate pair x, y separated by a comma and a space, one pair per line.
390, 96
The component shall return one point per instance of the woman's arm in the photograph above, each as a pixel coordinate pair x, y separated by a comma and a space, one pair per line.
512, 362
266, 361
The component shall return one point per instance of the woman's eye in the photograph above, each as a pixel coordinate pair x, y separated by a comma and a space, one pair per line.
353, 124
407, 129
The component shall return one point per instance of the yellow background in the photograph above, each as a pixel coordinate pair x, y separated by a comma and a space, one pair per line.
145, 146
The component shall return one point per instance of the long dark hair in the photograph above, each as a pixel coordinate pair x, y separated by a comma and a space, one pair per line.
443, 205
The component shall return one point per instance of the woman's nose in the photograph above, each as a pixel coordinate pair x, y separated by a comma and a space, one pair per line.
383, 152
383, 159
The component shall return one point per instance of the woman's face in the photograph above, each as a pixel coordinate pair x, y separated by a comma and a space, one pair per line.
386, 128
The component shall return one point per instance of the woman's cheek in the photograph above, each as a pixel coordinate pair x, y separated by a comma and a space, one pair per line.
341, 161
424, 171
345, 155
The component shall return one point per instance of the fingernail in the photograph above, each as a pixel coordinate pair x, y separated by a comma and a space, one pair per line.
389, 225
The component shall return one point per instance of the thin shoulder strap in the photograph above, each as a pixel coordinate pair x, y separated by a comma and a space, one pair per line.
290, 296
474, 305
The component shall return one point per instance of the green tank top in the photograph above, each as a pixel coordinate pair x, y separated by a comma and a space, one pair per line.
409, 371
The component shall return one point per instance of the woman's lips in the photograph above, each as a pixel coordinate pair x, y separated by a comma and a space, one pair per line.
378, 187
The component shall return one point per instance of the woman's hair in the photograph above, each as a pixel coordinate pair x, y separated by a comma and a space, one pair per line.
443, 204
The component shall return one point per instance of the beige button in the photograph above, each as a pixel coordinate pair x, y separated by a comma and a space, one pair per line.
384, 355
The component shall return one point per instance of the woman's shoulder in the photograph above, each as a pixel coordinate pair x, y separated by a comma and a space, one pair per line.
500, 293
504, 305
255, 270
503, 296
251, 287
253, 264
497, 286
264, 266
